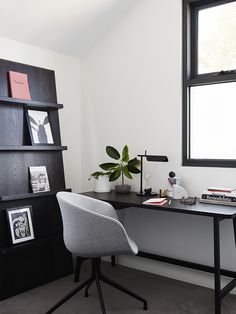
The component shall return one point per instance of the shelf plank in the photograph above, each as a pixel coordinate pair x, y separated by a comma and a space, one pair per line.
30, 103
5, 198
29, 244
32, 148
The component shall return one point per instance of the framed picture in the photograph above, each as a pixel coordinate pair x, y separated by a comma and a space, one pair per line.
39, 127
39, 179
20, 222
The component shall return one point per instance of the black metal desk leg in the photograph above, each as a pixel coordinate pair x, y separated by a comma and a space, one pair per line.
234, 225
217, 265
113, 261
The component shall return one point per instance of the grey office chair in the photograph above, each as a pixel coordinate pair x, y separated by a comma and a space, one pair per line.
91, 229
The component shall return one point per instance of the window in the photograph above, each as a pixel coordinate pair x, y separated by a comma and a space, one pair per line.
209, 83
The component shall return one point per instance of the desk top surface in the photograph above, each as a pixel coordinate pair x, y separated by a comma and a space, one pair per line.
133, 200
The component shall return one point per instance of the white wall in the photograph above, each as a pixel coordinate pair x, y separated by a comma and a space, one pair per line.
132, 95
68, 82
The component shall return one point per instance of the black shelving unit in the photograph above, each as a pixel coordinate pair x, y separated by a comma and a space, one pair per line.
30, 244
30, 195
30, 103
31, 148
45, 258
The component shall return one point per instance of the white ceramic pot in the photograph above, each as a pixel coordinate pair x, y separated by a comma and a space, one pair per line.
102, 184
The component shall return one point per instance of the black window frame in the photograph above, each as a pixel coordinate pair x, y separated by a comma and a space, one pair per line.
192, 78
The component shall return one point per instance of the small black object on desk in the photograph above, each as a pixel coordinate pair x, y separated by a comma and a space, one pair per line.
155, 158
188, 201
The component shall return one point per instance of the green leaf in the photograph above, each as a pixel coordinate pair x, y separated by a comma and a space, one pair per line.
112, 152
133, 169
115, 175
108, 165
125, 154
126, 172
134, 162
97, 174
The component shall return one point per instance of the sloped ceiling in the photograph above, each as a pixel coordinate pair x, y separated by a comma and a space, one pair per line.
67, 26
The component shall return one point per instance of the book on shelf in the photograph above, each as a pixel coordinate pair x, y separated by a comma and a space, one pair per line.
39, 179
19, 85
216, 202
156, 201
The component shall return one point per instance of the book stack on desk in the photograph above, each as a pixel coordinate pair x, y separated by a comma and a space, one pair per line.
156, 201
219, 196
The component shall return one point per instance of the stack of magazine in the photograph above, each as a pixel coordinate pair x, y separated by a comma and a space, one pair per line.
219, 196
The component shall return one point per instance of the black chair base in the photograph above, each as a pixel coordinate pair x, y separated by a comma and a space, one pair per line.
96, 277
79, 261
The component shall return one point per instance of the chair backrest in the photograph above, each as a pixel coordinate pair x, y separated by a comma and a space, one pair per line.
91, 227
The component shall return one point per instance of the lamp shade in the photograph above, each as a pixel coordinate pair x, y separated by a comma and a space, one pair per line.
156, 158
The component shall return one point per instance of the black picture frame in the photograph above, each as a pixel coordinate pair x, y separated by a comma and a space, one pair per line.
20, 224
39, 127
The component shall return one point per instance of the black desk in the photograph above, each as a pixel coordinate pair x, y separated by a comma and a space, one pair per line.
216, 212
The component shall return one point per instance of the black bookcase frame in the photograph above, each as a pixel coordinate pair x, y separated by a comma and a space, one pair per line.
30, 264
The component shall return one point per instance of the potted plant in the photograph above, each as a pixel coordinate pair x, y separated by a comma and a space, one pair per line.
102, 183
124, 167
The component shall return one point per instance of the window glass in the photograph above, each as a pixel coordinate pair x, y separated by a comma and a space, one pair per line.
217, 38
213, 121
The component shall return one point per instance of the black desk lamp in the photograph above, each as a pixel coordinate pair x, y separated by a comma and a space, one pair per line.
155, 158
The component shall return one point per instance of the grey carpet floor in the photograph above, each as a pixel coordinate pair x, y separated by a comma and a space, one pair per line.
165, 296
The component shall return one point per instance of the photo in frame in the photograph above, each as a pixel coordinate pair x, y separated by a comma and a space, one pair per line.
39, 127
20, 223
39, 179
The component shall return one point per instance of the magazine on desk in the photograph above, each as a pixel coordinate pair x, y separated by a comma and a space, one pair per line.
156, 201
